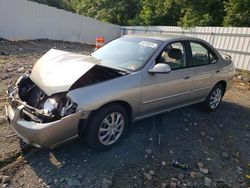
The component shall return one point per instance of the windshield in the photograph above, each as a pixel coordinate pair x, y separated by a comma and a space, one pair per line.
127, 53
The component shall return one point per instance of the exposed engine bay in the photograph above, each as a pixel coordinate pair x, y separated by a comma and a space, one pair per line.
43, 92
38, 106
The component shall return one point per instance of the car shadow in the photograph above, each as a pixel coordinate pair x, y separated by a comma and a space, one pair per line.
188, 135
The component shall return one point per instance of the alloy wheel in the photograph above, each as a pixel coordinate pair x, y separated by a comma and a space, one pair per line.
215, 98
111, 128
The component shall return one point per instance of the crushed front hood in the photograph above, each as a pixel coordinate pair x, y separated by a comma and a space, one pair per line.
57, 70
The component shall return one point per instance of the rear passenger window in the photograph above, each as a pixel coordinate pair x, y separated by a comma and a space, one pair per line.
201, 55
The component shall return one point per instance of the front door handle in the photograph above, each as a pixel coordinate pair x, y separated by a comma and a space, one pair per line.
217, 71
186, 77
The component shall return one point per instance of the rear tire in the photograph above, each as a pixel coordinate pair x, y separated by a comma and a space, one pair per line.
107, 127
214, 98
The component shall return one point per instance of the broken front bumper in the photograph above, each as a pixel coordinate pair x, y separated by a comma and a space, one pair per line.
46, 135
28, 123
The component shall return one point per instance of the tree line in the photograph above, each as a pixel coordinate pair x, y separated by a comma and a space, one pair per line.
184, 13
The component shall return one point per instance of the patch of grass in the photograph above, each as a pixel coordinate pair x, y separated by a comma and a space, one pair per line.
243, 72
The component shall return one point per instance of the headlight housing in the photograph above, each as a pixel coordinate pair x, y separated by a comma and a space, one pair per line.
69, 108
50, 105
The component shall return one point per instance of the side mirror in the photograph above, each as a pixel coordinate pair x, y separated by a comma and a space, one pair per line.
160, 68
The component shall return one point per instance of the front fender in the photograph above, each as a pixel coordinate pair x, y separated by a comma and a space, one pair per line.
126, 88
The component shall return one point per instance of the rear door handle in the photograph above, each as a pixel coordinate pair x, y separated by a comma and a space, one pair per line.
186, 77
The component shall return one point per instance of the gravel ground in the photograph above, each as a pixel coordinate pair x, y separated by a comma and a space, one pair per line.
216, 146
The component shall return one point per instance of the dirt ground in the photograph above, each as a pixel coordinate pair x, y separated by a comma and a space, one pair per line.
216, 146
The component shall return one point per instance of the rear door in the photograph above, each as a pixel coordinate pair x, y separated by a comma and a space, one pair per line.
204, 68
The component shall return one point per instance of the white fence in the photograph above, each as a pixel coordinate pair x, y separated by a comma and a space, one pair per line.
234, 41
22, 19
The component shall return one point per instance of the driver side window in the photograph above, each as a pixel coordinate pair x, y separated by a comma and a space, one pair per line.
173, 55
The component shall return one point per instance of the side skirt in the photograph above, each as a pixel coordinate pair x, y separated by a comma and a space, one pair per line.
166, 110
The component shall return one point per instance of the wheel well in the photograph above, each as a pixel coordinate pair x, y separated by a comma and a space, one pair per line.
124, 104
223, 84
83, 123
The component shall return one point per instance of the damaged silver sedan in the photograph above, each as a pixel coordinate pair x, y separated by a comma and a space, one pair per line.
96, 97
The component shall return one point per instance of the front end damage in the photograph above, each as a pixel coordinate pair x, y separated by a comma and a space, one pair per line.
41, 120
40, 110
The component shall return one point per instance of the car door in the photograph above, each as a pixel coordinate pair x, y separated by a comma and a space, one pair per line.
204, 69
161, 92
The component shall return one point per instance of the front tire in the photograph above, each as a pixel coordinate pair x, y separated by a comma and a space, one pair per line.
107, 127
214, 98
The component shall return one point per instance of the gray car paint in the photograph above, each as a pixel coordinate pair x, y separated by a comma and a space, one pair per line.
147, 94
57, 70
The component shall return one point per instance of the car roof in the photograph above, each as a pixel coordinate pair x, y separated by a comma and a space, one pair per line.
163, 37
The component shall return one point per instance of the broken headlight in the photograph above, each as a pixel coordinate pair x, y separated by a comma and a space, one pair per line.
59, 106
68, 108
49, 106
